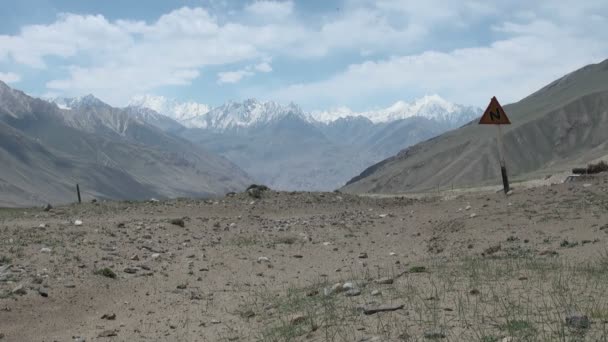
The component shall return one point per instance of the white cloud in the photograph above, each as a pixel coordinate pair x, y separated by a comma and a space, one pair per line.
535, 54
263, 67
233, 76
10, 77
271, 9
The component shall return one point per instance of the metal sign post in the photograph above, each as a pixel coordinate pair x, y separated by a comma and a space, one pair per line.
495, 115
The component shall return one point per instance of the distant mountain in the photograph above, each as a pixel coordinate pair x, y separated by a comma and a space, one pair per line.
110, 152
429, 107
184, 113
288, 149
562, 125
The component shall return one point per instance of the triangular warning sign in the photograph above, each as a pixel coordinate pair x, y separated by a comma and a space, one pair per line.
494, 114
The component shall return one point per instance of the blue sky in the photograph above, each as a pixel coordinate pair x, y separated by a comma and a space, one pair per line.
361, 54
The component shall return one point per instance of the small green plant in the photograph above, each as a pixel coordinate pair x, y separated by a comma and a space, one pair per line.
106, 272
5, 260
417, 269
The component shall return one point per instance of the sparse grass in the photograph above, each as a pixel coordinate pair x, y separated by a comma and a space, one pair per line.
522, 297
106, 272
5, 260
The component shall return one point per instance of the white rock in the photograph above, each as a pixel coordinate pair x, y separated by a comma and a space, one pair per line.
376, 293
468, 207
42, 225
383, 215
45, 250
155, 256
473, 215
586, 185
263, 259
78, 223
348, 286
326, 243
392, 253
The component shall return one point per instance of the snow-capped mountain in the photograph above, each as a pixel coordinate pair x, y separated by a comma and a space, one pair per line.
252, 112
246, 114
76, 102
431, 107
181, 112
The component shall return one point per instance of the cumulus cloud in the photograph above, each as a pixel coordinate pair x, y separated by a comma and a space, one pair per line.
10, 77
524, 45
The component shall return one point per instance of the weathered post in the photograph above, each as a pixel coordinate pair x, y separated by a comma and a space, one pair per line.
78, 192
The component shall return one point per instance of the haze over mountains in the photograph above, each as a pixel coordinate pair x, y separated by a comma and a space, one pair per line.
564, 124
288, 149
45, 151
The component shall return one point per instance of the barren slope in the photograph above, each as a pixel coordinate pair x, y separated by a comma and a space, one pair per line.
557, 127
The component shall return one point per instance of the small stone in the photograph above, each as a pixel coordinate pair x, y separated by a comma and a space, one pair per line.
45, 250
384, 281
468, 207
215, 321
352, 293
182, 286
298, 256
297, 319
78, 223
108, 333
263, 259
155, 256
376, 293
130, 270
44, 292
472, 215
109, 317
178, 222
326, 243
48, 207
348, 286
586, 185
135, 257
392, 254
362, 255
19, 290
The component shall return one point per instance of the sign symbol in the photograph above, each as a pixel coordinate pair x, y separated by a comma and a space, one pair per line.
494, 114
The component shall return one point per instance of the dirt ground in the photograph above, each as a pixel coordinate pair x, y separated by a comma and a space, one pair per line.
476, 266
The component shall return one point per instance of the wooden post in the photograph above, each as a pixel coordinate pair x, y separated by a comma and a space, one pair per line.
78, 192
501, 157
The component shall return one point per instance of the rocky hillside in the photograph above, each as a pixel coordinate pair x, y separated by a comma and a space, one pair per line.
46, 150
562, 125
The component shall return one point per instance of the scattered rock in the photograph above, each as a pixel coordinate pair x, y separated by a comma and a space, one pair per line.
383, 308
263, 259
297, 319
44, 292
45, 250
352, 293
178, 222
384, 281
19, 290
109, 317
78, 223
108, 333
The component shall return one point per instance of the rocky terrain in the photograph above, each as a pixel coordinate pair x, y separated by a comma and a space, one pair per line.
279, 266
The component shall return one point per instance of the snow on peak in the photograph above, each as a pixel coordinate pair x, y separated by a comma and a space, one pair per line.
431, 107
76, 102
181, 112
248, 113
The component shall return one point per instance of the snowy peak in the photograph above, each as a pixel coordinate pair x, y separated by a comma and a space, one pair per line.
249, 113
431, 107
86, 101
180, 112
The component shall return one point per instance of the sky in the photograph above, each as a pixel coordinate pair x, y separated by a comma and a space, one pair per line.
320, 54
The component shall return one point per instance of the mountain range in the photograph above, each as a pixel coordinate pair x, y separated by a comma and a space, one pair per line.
289, 149
45, 150
562, 125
